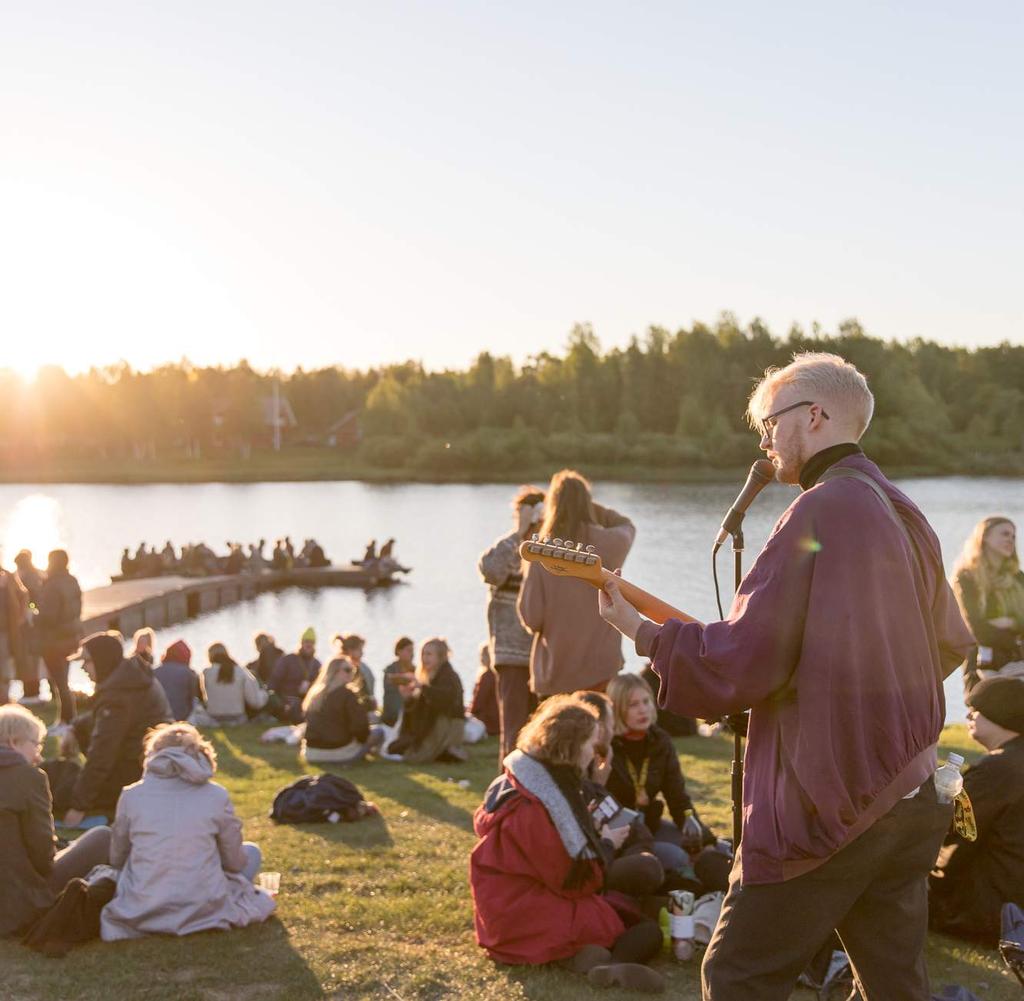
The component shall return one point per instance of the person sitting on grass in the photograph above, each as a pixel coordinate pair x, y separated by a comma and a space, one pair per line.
434, 715
538, 870
364, 685
337, 723
292, 676
401, 670
179, 682
178, 844
127, 702
32, 872
144, 646
645, 774
230, 692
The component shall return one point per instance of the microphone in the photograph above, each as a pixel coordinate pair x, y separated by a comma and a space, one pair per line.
762, 472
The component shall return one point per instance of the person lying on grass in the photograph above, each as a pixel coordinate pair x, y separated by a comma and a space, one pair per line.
178, 844
538, 871
32, 872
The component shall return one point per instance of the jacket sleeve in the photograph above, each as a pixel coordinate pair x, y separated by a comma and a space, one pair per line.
49, 605
37, 825
358, 721
120, 836
530, 603
955, 641
252, 692
673, 785
110, 724
501, 561
444, 696
229, 838
278, 673
727, 667
971, 604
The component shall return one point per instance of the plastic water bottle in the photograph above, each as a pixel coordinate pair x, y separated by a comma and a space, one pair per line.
948, 780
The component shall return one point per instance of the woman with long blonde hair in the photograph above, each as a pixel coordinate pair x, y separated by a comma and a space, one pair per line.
989, 586
434, 717
573, 647
337, 723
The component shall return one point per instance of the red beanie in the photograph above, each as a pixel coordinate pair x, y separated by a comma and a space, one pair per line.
179, 652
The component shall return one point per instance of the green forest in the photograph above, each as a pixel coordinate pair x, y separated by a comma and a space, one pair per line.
667, 406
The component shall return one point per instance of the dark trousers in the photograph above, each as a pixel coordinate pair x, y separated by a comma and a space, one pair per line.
515, 703
56, 661
873, 892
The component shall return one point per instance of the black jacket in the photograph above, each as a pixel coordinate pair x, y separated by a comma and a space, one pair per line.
441, 697
1004, 643
60, 610
128, 701
336, 719
26, 842
973, 879
664, 776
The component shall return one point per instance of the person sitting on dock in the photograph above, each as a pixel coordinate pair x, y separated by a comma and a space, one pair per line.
369, 556
235, 562
386, 550
279, 558
434, 720
230, 693
128, 564
338, 726
317, 556
179, 682
168, 558
293, 674
128, 701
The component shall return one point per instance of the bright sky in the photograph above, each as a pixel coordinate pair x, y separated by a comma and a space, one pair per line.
340, 182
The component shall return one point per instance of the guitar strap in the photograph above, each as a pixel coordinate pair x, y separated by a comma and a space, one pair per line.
845, 472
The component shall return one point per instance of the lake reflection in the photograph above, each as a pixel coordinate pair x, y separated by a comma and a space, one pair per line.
441, 531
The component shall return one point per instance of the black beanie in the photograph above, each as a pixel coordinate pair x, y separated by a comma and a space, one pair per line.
1000, 700
106, 651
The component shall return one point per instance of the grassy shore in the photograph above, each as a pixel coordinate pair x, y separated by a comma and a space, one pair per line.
381, 909
310, 464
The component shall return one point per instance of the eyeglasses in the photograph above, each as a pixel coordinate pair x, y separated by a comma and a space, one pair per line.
768, 423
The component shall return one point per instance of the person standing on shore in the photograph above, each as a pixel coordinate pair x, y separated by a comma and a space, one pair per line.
572, 648
60, 627
502, 569
989, 584
31, 581
838, 641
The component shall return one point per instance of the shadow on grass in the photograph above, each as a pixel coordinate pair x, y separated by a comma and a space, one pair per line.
229, 760
371, 832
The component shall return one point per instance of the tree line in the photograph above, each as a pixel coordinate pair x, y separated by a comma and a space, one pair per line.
668, 400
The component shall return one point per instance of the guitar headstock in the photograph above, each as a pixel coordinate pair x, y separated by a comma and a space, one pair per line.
563, 558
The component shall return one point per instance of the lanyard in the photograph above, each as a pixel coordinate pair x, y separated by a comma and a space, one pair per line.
639, 781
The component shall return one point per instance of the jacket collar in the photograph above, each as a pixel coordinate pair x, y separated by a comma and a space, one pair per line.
820, 461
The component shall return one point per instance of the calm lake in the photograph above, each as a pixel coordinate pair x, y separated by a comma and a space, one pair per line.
441, 531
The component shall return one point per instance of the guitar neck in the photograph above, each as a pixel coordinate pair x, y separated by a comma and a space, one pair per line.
645, 603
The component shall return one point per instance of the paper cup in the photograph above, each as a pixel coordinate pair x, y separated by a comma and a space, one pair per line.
269, 881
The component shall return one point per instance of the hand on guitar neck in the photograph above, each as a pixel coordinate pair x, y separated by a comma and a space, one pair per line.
621, 603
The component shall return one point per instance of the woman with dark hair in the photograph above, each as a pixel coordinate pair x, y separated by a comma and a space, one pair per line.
989, 585
230, 692
538, 870
508, 642
573, 647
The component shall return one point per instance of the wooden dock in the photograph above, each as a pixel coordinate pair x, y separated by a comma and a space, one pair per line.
128, 605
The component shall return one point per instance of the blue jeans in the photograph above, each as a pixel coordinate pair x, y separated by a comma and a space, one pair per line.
253, 860
668, 848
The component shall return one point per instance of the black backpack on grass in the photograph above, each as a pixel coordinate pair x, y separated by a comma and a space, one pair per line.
315, 799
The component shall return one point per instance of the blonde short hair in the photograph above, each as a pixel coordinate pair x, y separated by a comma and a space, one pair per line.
183, 735
826, 379
620, 691
17, 723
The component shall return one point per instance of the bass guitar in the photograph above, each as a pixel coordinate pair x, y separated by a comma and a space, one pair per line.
570, 559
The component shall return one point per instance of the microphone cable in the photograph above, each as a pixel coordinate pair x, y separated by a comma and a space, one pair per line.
714, 575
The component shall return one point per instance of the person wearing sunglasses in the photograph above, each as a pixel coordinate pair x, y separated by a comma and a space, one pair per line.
838, 642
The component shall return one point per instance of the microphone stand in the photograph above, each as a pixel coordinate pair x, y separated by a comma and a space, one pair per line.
737, 721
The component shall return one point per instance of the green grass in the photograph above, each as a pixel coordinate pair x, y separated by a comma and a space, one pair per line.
381, 909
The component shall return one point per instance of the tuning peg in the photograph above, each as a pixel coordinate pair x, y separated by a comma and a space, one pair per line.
556, 542
579, 546
568, 543
590, 549
535, 537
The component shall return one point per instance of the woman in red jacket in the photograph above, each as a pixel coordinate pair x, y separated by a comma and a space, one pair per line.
538, 870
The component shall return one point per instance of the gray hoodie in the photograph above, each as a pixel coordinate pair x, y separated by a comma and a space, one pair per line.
178, 844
